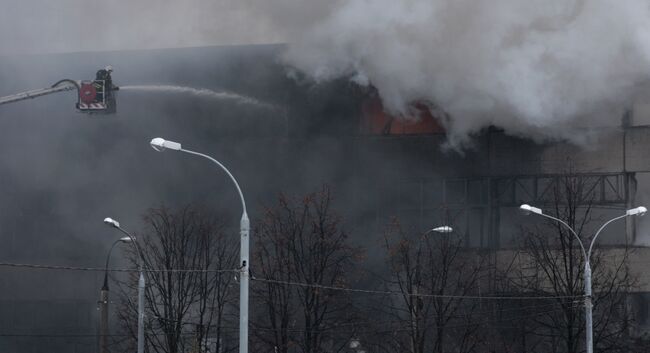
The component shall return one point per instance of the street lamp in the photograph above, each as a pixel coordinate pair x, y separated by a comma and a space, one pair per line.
160, 144
103, 301
441, 229
638, 211
414, 309
115, 224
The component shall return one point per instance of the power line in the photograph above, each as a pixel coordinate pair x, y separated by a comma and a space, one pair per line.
387, 292
53, 335
279, 282
101, 269
93, 335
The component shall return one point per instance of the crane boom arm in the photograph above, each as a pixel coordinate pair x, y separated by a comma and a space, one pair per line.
63, 85
93, 96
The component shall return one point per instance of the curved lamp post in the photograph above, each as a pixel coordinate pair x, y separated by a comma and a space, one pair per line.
103, 300
442, 229
586, 254
160, 144
141, 283
416, 290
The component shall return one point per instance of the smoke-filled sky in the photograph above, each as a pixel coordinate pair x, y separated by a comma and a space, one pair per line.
44, 26
532, 67
521, 65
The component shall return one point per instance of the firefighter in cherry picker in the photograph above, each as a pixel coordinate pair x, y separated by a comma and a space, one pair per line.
104, 82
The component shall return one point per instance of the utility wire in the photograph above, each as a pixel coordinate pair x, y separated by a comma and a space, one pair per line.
279, 282
53, 335
387, 292
101, 269
93, 335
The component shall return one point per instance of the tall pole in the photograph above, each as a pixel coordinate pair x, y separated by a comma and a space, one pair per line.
243, 286
103, 320
141, 310
160, 144
589, 342
244, 260
103, 304
141, 287
141, 282
589, 339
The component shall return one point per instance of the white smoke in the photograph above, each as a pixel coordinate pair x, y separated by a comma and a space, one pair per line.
532, 67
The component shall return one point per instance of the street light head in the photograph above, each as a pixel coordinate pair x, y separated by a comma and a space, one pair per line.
443, 229
639, 211
126, 239
160, 144
527, 209
111, 222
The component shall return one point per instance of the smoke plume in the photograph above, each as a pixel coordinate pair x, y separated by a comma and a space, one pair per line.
535, 67
539, 68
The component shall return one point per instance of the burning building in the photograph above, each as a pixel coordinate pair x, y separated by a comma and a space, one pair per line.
62, 173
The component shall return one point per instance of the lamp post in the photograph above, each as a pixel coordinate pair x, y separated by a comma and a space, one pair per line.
160, 144
442, 230
639, 211
141, 283
103, 301
416, 289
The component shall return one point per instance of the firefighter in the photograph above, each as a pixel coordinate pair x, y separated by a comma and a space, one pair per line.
104, 82
105, 75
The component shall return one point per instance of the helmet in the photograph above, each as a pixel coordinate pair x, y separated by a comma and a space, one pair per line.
109, 68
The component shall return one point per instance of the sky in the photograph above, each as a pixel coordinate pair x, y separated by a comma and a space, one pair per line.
44, 26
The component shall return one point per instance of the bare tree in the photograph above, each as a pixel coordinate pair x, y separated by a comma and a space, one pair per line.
433, 273
550, 263
302, 241
190, 264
